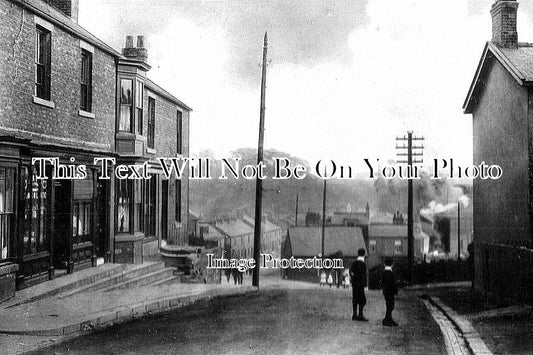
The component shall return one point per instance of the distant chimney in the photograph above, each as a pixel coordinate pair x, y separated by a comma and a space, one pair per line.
68, 7
139, 53
503, 14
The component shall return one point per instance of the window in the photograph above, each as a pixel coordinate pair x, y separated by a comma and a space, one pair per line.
150, 198
126, 103
123, 205
7, 188
178, 200
35, 235
372, 246
82, 197
130, 206
43, 49
138, 219
151, 122
397, 247
86, 81
179, 120
139, 107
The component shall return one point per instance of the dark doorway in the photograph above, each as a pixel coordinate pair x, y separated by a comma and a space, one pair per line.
62, 223
100, 222
164, 209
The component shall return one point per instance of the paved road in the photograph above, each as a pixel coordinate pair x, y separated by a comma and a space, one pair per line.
282, 318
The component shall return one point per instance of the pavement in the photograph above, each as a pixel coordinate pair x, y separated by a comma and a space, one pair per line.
477, 323
31, 319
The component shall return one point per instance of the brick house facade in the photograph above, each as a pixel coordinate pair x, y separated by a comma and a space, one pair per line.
61, 96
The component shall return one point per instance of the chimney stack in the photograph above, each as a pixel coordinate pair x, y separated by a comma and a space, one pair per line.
68, 7
504, 32
139, 53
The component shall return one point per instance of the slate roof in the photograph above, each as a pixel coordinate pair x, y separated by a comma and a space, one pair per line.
214, 233
307, 241
234, 227
267, 225
389, 230
53, 15
159, 90
517, 61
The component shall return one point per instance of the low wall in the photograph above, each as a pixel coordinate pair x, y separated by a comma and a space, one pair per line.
504, 271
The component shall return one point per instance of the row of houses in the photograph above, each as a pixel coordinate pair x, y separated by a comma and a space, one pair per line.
66, 94
235, 235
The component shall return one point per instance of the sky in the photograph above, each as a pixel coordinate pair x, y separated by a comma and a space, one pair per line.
344, 77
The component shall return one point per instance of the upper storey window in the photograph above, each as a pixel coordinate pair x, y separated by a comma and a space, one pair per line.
43, 49
139, 107
86, 81
131, 106
126, 105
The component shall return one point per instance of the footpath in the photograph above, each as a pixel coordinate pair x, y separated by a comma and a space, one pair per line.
51, 311
481, 326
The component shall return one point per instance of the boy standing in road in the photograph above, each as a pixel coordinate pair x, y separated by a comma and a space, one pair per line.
390, 290
358, 274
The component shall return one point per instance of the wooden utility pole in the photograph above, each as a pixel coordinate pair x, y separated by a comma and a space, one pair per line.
259, 182
296, 214
459, 230
410, 212
324, 215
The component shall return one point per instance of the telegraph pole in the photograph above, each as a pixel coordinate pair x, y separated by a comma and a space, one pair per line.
410, 223
324, 214
458, 230
296, 216
259, 182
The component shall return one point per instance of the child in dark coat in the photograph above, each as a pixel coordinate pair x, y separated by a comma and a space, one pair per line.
390, 289
358, 274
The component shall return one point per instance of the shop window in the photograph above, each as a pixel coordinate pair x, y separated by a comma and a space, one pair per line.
43, 49
138, 218
123, 205
82, 215
126, 105
130, 206
150, 198
7, 190
35, 234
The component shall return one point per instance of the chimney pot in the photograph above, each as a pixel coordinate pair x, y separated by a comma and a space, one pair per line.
140, 41
129, 41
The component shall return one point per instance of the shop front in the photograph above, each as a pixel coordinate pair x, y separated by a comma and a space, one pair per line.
50, 226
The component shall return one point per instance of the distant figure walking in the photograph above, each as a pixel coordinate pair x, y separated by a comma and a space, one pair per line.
358, 274
235, 273
228, 274
323, 278
330, 279
390, 290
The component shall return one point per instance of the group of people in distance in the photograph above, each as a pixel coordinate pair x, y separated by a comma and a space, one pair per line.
237, 276
358, 273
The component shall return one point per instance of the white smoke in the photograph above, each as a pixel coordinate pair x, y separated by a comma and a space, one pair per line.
464, 200
436, 208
